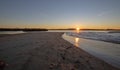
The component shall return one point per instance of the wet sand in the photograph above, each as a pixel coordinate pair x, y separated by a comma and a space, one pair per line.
46, 51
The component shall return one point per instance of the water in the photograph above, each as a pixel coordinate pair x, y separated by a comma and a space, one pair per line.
11, 32
74, 31
18, 32
109, 52
61, 30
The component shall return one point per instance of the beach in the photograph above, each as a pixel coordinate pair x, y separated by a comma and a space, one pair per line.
46, 51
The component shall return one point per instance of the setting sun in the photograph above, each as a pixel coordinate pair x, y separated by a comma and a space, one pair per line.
77, 30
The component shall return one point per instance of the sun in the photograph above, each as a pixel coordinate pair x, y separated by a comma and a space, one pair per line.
77, 29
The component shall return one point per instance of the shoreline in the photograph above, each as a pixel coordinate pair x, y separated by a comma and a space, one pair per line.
46, 51
105, 51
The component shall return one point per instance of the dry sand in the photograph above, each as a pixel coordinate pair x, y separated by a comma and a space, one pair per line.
46, 51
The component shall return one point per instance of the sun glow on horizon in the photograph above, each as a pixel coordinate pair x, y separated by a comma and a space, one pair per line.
77, 29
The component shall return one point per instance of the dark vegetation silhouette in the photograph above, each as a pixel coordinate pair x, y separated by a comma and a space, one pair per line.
22, 29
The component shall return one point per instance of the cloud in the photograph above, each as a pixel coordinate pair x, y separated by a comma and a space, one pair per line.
104, 13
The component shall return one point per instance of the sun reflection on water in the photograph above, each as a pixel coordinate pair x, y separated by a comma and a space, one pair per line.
76, 42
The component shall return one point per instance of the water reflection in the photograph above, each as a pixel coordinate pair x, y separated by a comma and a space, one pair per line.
109, 52
11, 32
76, 42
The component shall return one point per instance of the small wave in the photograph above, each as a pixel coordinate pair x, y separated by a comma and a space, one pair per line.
101, 36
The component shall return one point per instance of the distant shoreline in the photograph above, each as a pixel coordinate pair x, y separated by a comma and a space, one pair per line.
45, 29
22, 29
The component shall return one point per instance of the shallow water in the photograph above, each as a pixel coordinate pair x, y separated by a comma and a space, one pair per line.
74, 31
108, 52
11, 32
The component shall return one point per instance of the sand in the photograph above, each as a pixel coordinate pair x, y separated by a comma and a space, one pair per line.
46, 51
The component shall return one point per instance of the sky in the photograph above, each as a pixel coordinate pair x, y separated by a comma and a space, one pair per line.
52, 14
